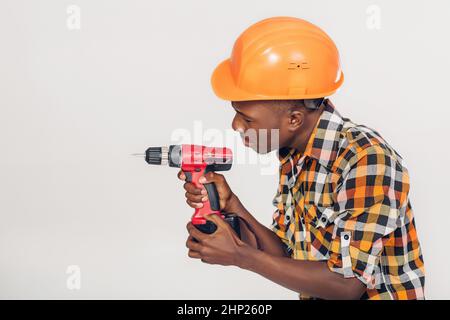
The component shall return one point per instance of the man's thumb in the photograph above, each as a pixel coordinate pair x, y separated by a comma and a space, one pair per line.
215, 219
209, 177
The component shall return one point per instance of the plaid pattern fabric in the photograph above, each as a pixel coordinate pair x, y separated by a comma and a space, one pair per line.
345, 200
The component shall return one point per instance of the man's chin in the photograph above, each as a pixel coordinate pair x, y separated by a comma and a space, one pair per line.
256, 149
251, 146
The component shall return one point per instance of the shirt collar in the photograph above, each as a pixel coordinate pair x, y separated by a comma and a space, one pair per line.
323, 143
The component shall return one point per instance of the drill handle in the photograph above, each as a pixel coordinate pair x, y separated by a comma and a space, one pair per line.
213, 195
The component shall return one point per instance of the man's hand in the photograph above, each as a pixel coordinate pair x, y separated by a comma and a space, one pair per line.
228, 201
221, 247
196, 196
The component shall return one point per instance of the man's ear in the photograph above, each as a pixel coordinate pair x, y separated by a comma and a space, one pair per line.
295, 119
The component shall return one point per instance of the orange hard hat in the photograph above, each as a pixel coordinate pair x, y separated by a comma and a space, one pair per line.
279, 58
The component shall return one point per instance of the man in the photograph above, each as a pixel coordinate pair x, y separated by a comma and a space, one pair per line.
343, 226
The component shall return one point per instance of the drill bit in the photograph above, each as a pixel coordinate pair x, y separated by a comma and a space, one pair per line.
138, 154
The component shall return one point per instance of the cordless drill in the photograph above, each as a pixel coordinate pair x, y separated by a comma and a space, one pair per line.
195, 161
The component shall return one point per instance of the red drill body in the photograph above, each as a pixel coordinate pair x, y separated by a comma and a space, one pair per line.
196, 161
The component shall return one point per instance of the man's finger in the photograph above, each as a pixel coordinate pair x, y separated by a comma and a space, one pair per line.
211, 177
192, 245
181, 175
194, 254
195, 233
194, 205
195, 197
218, 221
191, 188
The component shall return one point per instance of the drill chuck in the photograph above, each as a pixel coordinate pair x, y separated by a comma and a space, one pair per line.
164, 155
157, 155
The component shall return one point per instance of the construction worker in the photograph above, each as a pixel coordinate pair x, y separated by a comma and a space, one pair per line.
343, 227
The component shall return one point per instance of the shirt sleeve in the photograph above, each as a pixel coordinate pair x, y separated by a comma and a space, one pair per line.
371, 200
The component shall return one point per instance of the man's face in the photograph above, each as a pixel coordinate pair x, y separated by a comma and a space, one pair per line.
262, 125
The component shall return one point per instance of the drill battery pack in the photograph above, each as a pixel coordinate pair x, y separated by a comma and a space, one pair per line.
231, 218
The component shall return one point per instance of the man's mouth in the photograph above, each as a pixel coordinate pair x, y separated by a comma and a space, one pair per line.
246, 141
250, 144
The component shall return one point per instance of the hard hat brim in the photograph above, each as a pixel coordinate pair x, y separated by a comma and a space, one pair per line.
225, 87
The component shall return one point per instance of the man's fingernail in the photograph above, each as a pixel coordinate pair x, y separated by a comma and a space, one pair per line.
203, 191
202, 180
199, 205
204, 199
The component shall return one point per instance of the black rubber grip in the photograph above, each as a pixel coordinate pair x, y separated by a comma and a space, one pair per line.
231, 218
208, 227
233, 221
213, 196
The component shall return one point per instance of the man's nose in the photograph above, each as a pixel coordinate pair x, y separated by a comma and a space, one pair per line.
236, 126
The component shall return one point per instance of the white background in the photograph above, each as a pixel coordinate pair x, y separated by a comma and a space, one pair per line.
75, 103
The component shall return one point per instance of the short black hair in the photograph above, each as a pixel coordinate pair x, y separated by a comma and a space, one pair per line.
289, 105
311, 104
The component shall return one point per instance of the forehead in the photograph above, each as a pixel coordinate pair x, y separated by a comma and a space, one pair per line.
243, 104
250, 105
258, 107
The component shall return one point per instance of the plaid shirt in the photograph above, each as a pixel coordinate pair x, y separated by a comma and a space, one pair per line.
345, 200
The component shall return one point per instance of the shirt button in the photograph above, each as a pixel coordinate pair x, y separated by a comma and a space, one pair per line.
323, 219
346, 237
